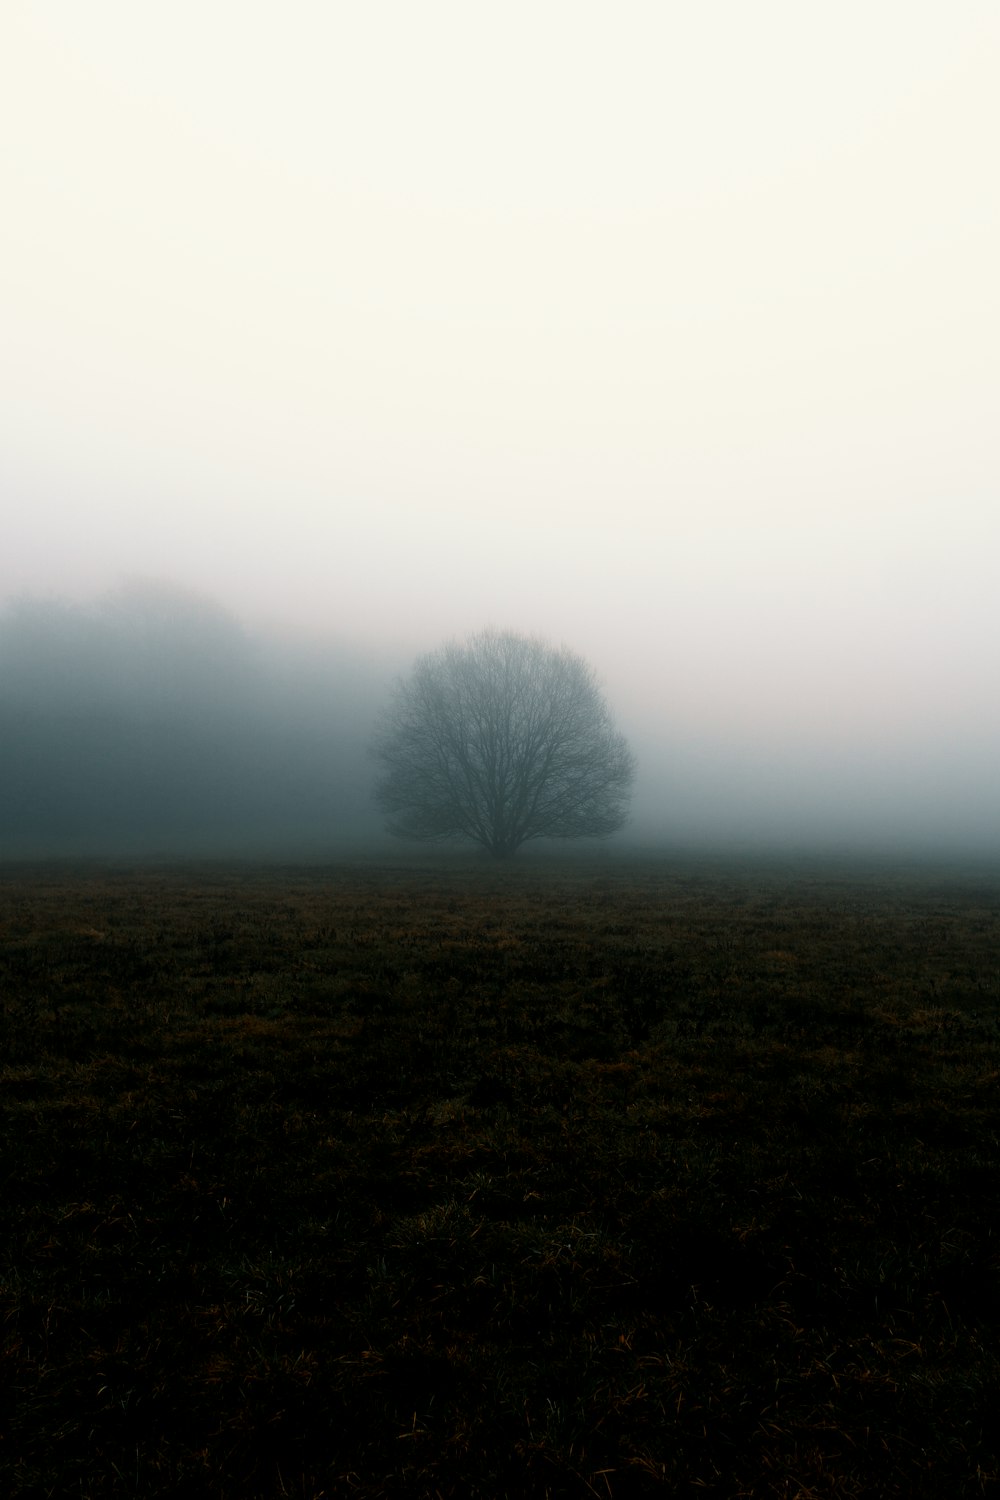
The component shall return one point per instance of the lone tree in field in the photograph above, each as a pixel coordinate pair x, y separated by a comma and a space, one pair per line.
501, 740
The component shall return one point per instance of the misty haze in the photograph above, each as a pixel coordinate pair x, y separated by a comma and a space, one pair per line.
499, 744
152, 720
687, 362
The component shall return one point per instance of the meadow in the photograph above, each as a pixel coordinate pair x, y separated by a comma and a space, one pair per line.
597, 1176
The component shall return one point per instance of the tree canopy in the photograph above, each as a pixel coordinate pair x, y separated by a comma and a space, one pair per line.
501, 740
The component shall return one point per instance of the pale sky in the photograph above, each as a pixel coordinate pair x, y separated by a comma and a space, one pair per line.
668, 331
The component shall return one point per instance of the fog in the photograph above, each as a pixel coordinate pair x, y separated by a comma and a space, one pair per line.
670, 333
151, 723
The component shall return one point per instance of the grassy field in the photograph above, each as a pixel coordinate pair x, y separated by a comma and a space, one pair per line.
613, 1177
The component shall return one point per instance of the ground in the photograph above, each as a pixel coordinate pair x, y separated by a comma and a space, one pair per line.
606, 1175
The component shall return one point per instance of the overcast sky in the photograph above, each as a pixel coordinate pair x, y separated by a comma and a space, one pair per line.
670, 331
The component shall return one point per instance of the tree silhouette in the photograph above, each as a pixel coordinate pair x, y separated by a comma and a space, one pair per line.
501, 740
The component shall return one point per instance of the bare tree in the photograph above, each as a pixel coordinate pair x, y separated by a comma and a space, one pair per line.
501, 740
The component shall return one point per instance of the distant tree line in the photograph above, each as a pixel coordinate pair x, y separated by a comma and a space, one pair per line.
151, 719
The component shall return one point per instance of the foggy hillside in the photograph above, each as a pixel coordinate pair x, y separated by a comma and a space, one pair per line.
153, 721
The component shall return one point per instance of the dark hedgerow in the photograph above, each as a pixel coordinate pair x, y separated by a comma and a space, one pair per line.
616, 1178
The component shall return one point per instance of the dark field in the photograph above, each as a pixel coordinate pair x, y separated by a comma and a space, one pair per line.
603, 1177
